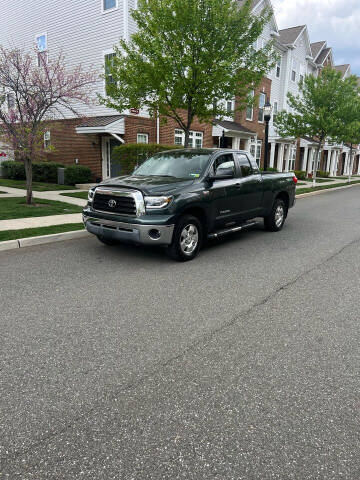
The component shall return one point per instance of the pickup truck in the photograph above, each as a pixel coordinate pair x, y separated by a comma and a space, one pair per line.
180, 198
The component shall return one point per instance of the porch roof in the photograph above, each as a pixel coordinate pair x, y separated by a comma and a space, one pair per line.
235, 127
106, 124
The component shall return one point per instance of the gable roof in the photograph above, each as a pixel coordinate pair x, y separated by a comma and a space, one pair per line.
343, 69
316, 48
323, 55
288, 36
233, 126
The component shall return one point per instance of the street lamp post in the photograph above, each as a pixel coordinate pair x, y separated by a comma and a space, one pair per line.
267, 117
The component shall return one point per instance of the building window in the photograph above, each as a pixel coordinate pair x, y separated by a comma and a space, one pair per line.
41, 45
278, 69
293, 71
292, 159
229, 107
250, 109
109, 5
255, 150
195, 138
10, 100
262, 101
142, 138
47, 139
109, 60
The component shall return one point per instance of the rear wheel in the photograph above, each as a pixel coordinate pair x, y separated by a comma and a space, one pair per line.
187, 239
274, 222
107, 241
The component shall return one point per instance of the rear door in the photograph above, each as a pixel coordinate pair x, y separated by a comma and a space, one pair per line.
250, 187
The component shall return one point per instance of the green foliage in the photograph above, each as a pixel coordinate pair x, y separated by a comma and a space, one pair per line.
269, 169
325, 106
13, 170
42, 171
322, 174
130, 155
300, 174
185, 54
77, 174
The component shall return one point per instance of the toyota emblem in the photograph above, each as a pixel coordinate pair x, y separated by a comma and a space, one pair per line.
112, 203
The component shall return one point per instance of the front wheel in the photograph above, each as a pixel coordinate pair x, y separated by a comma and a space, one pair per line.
274, 222
187, 239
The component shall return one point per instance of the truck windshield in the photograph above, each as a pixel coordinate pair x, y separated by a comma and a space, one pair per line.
175, 164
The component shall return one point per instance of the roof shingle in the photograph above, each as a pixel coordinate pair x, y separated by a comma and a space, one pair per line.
288, 36
100, 121
316, 48
234, 126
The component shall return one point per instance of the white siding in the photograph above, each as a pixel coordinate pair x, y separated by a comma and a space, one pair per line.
78, 28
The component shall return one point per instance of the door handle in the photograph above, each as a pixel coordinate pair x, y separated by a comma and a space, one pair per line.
238, 185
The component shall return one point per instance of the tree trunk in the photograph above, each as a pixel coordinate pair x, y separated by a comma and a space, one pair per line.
28, 172
350, 163
187, 138
316, 161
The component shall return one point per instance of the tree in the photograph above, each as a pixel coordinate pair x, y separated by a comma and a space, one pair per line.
321, 110
32, 93
351, 131
186, 54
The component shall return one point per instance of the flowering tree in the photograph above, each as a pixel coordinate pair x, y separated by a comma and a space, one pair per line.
34, 90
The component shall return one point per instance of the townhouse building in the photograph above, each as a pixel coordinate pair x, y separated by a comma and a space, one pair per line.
50, 27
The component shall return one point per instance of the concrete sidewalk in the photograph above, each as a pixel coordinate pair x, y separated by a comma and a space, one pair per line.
36, 222
48, 195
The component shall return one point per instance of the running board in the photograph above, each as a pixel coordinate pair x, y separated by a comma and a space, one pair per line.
220, 233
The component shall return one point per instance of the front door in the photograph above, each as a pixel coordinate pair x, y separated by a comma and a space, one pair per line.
110, 167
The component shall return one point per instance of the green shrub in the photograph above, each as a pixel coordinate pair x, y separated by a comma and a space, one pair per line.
46, 171
269, 169
322, 174
132, 154
13, 170
300, 174
77, 174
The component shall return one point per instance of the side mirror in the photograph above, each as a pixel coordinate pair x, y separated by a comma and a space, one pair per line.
224, 174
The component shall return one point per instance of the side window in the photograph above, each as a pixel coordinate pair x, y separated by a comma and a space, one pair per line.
224, 165
244, 165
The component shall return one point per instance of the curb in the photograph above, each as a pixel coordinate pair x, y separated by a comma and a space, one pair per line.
43, 239
325, 190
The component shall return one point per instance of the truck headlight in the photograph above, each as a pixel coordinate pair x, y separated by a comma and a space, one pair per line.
157, 202
91, 195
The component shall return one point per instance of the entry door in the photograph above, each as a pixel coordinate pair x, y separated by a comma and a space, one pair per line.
110, 168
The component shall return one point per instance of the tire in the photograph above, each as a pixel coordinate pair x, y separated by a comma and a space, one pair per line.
107, 241
187, 239
274, 222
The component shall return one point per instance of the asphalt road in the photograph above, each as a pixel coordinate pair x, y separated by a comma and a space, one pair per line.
117, 363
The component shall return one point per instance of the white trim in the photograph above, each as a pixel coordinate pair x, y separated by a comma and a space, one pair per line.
117, 127
103, 11
143, 134
119, 139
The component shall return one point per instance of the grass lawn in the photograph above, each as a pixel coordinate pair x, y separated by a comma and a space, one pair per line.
36, 232
323, 180
83, 195
15, 207
324, 187
37, 186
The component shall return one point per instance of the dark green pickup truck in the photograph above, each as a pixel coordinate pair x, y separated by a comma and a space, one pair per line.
179, 198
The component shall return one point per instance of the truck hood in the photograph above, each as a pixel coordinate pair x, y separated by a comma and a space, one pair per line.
149, 185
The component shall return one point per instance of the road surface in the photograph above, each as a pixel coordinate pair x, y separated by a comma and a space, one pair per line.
117, 363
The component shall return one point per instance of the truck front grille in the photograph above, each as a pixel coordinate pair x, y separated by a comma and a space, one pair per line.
122, 205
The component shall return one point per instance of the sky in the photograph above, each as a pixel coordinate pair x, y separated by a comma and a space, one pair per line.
336, 21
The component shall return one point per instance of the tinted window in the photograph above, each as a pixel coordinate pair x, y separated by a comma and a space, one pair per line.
245, 166
224, 165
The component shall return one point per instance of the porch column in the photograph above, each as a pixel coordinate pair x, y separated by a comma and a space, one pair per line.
311, 159
304, 160
247, 145
280, 160
337, 157
332, 156
272, 154
358, 169
287, 157
236, 143
346, 169
328, 162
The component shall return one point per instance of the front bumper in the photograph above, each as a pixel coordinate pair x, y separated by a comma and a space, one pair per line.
129, 232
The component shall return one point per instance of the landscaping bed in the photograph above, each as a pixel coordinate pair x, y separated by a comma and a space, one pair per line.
36, 186
36, 232
16, 207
